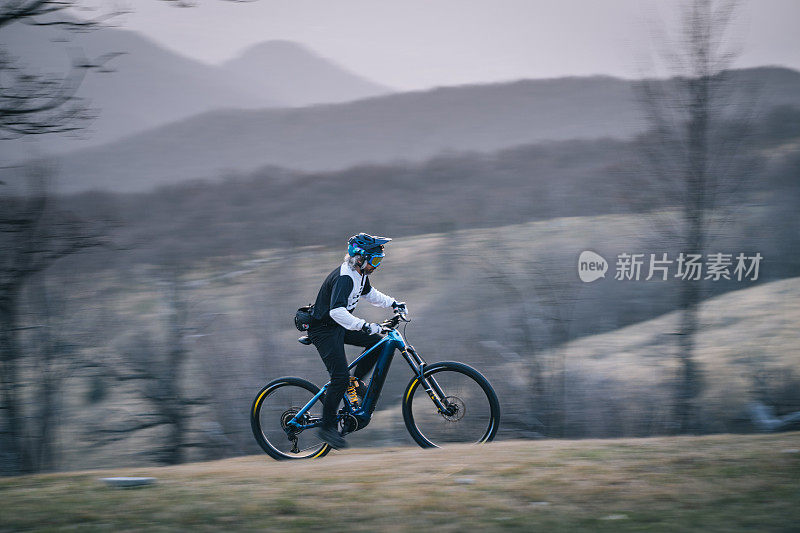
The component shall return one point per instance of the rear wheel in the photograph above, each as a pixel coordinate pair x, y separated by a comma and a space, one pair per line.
275, 405
471, 409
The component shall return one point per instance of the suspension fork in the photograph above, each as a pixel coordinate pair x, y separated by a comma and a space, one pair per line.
429, 384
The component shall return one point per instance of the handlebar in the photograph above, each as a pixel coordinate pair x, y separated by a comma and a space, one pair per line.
393, 322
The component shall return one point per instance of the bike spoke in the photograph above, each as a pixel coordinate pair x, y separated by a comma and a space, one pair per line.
277, 409
468, 412
307, 448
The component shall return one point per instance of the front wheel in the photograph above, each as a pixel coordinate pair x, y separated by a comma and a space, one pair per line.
469, 413
275, 405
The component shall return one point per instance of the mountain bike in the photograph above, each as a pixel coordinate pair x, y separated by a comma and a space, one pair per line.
443, 403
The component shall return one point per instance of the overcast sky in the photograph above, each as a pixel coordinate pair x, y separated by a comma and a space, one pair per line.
415, 44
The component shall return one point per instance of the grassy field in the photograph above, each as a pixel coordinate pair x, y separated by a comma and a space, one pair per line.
714, 483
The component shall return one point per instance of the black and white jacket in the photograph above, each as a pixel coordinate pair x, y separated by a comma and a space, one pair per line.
339, 295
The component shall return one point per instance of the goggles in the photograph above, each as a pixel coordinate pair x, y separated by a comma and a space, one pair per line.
375, 260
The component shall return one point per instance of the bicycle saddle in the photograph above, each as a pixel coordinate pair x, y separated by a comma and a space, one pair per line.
304, 340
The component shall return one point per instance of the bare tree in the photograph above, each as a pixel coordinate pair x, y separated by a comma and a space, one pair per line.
541, 299
699, 118
555, 295
34, 234
53, 345
34, 104
160, 369
164, 386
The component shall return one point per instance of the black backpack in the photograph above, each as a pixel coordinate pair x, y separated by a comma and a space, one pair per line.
303, 316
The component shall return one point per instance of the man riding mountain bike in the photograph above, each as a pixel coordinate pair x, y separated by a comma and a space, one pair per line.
333, 325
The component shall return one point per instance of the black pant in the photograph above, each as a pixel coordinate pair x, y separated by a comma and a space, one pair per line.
330, 341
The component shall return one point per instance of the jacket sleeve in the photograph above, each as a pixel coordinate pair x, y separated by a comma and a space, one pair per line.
345, 318
376, 297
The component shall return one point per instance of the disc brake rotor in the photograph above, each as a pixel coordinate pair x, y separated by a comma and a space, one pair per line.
457, 409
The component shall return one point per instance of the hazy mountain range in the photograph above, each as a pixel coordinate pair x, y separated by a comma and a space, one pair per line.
163, 118
294, 76
276, 208
149, 86
399, 127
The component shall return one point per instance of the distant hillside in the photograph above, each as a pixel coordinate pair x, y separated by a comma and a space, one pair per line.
747, 335
401, 127
295, 76
151, 86
482, 296
278, 207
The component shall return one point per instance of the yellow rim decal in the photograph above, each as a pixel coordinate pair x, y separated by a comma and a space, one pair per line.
320, 452
260, 397
258, 402
411, 388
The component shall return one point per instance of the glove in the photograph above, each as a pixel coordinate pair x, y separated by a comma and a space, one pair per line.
399, 307
371, 329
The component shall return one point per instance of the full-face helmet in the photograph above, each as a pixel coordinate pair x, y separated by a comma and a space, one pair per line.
368, 246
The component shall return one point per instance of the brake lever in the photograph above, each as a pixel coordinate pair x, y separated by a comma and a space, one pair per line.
391, 323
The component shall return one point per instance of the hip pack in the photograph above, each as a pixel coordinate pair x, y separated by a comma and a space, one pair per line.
303, 316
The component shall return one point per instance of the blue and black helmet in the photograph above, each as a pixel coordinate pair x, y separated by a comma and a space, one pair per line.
368, 246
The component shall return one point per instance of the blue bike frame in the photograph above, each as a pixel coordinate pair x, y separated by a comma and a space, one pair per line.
391, 342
